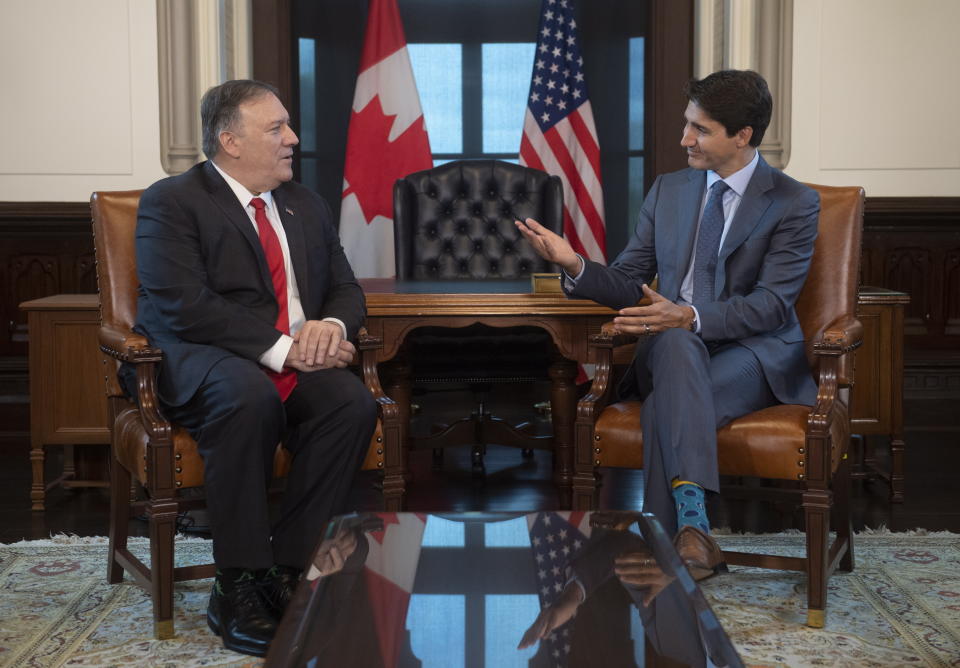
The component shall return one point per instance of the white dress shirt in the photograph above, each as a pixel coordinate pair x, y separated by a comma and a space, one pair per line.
274, 357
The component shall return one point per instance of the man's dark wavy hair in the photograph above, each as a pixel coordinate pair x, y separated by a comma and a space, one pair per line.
735, 99
220, 108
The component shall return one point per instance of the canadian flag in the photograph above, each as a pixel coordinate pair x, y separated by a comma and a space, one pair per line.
391, 568
386, 140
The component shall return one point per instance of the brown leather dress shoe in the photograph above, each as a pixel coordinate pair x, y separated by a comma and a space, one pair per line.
699, 553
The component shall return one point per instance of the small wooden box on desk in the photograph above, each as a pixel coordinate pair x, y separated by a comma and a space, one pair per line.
877, 405
68, 405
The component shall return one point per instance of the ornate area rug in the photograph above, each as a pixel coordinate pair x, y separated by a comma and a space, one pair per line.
901, 607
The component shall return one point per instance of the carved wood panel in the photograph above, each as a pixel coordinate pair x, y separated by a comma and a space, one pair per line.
913, 245
46, 248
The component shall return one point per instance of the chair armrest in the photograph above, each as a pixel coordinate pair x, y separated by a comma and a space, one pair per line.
126, 346
839, 337
609, 337
369, 346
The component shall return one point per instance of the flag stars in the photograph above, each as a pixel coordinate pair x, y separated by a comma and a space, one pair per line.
556, 571
548, 100
544, 48
544, 117
575, 94
558, 35
554, 68
579, 77
551, 84
570, 40
553, 555
549, 537
557, 587
556, 52
548, 15
545, 32
535, 97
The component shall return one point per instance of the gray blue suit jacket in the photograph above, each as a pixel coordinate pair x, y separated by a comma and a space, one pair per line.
205, 289
761, 268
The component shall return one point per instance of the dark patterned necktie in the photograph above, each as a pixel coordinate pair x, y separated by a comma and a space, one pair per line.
708, 244
286, 380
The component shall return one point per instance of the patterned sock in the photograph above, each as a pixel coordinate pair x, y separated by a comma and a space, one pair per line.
691, 506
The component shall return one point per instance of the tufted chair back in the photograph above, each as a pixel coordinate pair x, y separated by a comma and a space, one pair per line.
455, 221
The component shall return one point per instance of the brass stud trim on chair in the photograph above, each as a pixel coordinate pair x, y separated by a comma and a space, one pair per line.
596, 462
799, 476
800, 450
178, 470
379, 451
379, 465
179, 483
597, 450
178, 456
379, 439
597, 437
800, 463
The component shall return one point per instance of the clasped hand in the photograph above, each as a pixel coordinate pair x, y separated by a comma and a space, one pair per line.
319, 345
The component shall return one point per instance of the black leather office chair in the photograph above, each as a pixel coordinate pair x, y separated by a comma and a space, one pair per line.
456, 222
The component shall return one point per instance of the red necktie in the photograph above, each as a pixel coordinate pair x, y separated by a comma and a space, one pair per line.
286, 380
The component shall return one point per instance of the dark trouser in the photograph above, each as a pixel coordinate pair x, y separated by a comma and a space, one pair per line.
689, 390
237, 419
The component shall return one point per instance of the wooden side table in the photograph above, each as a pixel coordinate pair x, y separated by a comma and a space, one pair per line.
68, 405
877, 402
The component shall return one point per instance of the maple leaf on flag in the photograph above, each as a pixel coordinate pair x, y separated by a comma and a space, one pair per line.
373, 161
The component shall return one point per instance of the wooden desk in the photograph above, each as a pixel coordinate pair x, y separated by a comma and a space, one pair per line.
877, 403
395, 308
68, 405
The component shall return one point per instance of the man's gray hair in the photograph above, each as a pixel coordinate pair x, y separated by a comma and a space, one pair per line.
220, 108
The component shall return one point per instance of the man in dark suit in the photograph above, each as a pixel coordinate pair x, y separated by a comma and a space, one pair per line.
246, 289
730, 240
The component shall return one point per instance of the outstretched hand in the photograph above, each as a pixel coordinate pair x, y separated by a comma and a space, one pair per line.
658, 315
553, 616
550, 246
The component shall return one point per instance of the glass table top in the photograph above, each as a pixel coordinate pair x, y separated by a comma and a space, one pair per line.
486, 589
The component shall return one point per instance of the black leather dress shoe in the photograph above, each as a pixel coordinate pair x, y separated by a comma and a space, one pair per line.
278, 584
239, 614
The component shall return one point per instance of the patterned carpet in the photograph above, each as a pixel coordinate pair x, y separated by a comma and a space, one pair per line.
900, 608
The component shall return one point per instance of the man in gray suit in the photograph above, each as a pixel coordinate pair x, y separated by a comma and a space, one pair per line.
730, 240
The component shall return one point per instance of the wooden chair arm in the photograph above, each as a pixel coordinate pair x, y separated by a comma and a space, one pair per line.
369, 346
840, 337
610, 338
126, 346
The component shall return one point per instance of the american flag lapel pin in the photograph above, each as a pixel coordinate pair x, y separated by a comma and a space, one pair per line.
288, 210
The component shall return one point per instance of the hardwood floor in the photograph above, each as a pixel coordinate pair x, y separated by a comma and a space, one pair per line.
931, 501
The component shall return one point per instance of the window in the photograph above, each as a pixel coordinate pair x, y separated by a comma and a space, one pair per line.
472, 60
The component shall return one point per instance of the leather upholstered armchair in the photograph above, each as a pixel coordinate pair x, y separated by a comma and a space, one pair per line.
456, 222
785, 442
160, 457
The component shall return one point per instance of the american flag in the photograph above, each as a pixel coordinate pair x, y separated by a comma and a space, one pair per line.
559, 135
554, 538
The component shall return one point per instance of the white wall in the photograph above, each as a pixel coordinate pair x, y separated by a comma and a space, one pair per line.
79, 110
876, 95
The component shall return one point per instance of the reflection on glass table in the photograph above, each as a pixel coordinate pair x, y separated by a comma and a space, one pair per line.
498, 589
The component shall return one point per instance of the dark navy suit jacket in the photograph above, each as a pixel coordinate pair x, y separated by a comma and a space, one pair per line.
761, 268
205, 289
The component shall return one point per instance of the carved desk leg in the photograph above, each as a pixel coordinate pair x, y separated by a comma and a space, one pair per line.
563, 398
